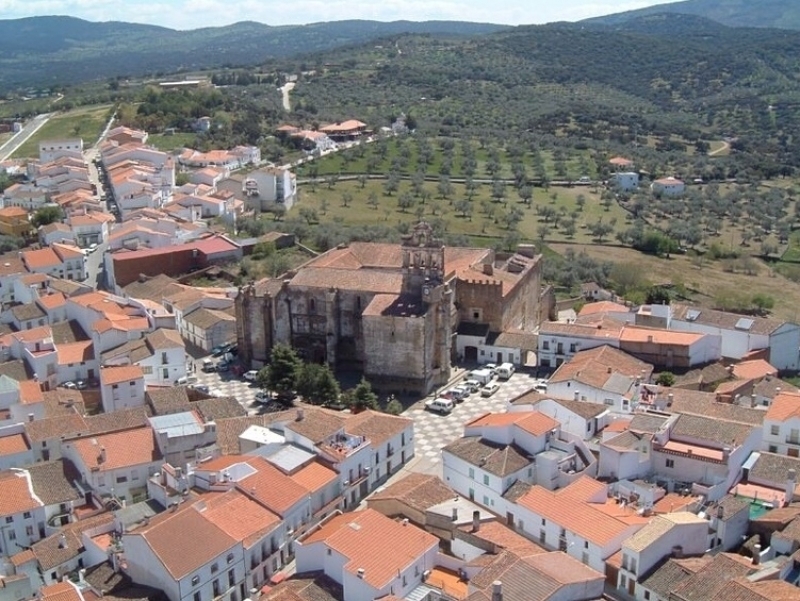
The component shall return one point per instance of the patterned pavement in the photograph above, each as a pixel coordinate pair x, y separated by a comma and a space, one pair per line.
433, 431
228, 384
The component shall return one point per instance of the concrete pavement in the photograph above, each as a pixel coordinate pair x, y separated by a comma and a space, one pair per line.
30, 128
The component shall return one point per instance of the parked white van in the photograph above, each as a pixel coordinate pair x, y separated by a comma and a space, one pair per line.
505, 371
443, 406
484, 376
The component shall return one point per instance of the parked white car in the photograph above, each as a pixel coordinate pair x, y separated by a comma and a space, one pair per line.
251, 375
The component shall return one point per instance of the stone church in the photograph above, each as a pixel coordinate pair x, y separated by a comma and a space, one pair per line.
391, 311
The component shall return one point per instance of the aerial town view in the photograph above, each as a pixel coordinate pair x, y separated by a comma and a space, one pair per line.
446, 302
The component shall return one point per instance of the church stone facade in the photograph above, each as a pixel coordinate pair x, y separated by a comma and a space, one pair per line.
390, 311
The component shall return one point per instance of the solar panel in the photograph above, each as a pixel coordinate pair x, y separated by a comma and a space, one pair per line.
744, 324
692, 314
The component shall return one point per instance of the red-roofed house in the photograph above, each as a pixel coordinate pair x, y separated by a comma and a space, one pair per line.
668, 186
580, 520
781, 432
121, 387
116, 464
369, 554
500, 449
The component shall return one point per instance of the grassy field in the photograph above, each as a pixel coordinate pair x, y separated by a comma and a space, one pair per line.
351, 203
85, 122
173, 142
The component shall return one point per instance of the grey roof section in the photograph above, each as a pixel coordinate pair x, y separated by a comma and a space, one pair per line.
500, 460
727, 321
584, 409
467, 328
176, 425
52, 481
27, 312
133, 515
665, 577
708, 429
288, 458
774, 468
651, 423
618, 383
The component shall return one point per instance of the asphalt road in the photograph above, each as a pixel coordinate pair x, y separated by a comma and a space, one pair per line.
30, 128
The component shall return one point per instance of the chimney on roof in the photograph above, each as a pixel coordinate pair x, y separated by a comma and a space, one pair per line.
455, 514
497, 591
670, 398
102, 457
361, 572
62, 541
254, 594
756, 555
31, 417
677, 551
488, 269
476, 521
608, 369
173, 508
300, 414
720, 512
726, 454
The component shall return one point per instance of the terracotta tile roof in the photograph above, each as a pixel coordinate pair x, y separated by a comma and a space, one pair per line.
271, 487
27, 312
572, 508
647, 422
504, 537
764, 590
603, 367
658, 527
124, 419
317, 424
372, 542
694, 402
497, 459
531, 397
769, 387
784, 406
30, 392
773, 468
163, 338
127, 448
13, 212
62, 591
207, 318
52, 300
10, 445
418, 491
698, 428
594, 327
668, 337
726, 321
50, 553
239, 516
53, 481
376, 426
603, 307
168, 400
167, 538
753, 370
668, 574
710, 579
41, 259
314, 476
309, 586
17, 494
533, 422
123, 373
216, 408
55, 427
75, 352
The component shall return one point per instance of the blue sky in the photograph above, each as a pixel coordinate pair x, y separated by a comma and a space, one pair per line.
188, 14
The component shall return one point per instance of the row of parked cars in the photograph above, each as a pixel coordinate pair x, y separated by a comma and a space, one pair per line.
480, 381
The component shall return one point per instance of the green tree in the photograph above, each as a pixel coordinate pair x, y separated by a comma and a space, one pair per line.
317, 384
284, 365
362, 397
665, 378
46, 216
393, 406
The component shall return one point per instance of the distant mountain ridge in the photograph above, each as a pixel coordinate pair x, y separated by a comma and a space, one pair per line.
779, 14
58, 49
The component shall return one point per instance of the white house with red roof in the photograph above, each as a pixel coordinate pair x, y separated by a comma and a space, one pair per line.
121, 387
369, 554
116, 464
668, 186
781, 430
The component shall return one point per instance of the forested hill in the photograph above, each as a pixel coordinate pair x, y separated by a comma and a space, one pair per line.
783, 14
60, 50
